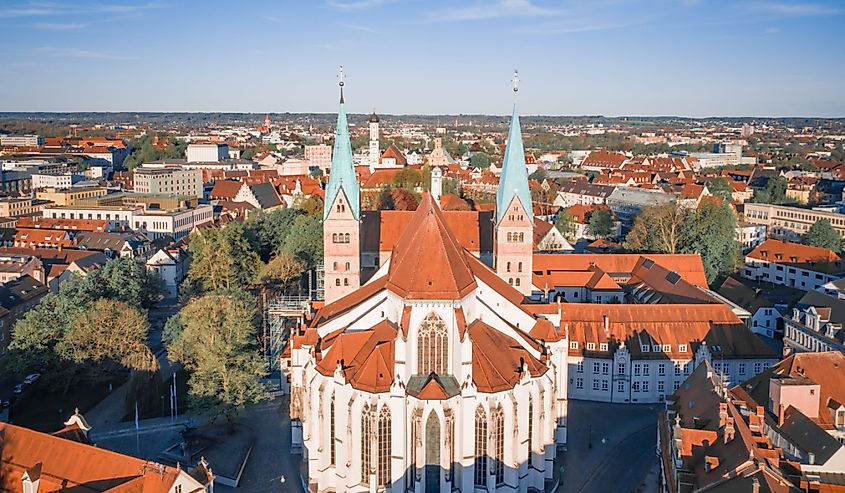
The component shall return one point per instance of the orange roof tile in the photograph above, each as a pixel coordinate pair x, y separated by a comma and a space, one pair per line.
496, 358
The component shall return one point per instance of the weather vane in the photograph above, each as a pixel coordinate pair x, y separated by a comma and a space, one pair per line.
515, 81
340, 76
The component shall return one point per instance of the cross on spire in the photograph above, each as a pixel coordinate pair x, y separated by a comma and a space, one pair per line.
340, 82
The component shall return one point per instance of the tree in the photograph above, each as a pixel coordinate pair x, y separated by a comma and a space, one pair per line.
283, 268
821, 234
223, 258
601, 224
540, 174
773, 193
215, 337
720, 187
408, 178
566, 224
711, 232
110, 335
403, 200
657, 229
313, 206
271, 229
305, 240
480, 160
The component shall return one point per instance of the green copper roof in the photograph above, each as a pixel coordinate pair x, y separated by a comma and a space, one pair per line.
342, 174
514, 178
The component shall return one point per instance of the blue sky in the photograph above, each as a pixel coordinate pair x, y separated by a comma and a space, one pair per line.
575, 57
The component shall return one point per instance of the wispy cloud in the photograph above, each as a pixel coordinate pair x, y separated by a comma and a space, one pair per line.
796, 9
47, 9
358, 28
57, 52
272, 18
501, 8
356, 4
59, 26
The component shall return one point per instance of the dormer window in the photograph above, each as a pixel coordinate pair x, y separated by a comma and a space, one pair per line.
603, 346
573, 345
645, 348
667, 348
591, 346
656, 348
682, 348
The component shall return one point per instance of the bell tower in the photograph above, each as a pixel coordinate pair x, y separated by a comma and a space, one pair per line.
514, 230
375, 153
341, 215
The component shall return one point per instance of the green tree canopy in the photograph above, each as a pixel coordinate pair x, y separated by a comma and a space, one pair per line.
773, 193
408, 178
821, 234
720, 187
657, 229
214, 337
566, 224
480, 160
223, 258
601, 224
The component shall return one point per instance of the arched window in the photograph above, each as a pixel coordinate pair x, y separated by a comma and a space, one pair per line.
432, 346
480, 477
345, 281
346, 238
521, 237
384, 446
510, 281
516, 281
508, 269
367, 418
334, 265
332, 447
334, 237
510, 236
530, 428
347, 266
337, 282
519, 267
498, 420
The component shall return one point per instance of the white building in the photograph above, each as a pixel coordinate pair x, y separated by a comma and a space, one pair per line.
816, 324
207, 152
174, 181
792, 264
426, 378
319, 156
21, 140
154, 223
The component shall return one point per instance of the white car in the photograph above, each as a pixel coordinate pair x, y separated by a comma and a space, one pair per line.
31, 378
18, 388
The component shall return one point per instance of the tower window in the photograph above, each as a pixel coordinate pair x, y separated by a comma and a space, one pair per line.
508, 267
519, 267
346, 238
516, 281
334, 237
337, 282
345, 281
347, 265
480, 476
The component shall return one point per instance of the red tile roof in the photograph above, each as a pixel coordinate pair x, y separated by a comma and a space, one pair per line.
496, 358
793, 253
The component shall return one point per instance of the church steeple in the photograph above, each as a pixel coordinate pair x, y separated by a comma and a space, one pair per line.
342, 174
513, 181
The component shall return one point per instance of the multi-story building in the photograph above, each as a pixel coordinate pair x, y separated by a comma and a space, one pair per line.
14, 207
789, 223
21, 140
583, 193
815, 324
17, 296
642, 353
792, 264
54, 180
319, 156
206, 152
626, 203
71, 196
155, 223
764, 308
168, 181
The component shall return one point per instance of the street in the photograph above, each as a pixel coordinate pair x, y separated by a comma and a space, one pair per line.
610, 448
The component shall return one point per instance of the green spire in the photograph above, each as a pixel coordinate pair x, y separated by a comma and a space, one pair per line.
342, 175
513, 181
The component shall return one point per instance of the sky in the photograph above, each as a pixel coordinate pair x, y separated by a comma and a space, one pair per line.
575, 57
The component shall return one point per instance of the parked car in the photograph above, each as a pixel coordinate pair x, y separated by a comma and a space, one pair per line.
31, 378
18, 388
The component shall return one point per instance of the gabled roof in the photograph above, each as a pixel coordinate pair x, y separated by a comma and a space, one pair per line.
428, 262
805, 256
393, 152
366, 356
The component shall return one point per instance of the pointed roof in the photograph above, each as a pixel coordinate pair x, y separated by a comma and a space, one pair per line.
428, 262
514, 179
342, 174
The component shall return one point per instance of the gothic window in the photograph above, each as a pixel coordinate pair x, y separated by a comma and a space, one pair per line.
499, 445
480, 447
530, 428
367, 418
384, 446
332, 447
432, 346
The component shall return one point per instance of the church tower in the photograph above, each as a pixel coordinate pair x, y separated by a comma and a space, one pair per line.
341, 215
375, 153
514, 231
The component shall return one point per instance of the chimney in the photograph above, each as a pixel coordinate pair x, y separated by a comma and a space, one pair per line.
606, 327
729, 429
723, 414
780, 414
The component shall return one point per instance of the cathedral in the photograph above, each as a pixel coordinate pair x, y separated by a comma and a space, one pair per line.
426, 370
